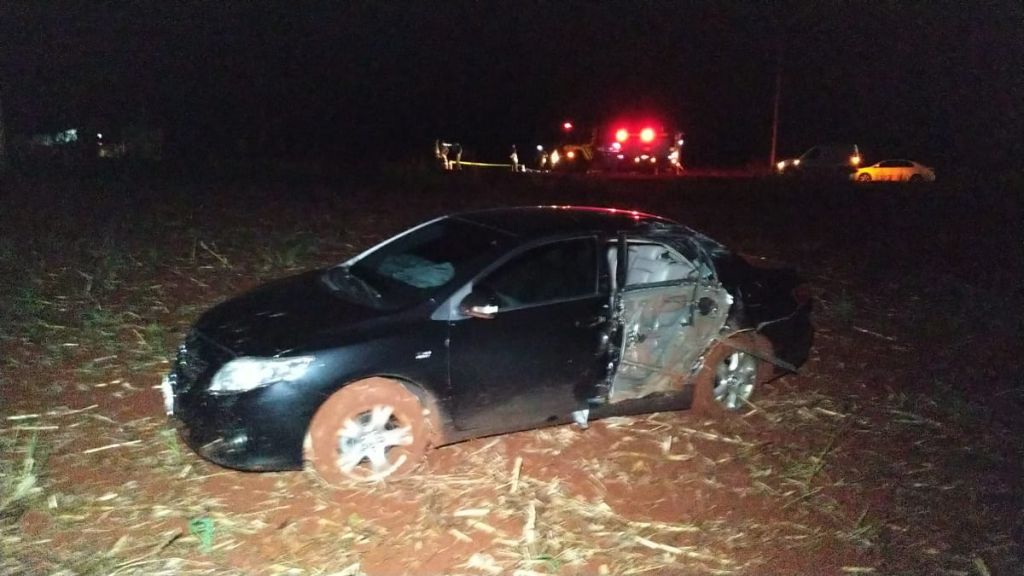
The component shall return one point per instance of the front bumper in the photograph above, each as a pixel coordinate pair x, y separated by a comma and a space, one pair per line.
257, 430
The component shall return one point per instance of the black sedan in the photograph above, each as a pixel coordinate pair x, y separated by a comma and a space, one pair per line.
476, 324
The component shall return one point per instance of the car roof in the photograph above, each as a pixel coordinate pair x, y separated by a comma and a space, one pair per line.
538, 221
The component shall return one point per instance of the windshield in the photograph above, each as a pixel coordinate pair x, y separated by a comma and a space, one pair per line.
416, 266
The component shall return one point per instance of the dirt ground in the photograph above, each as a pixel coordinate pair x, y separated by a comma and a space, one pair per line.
897, 449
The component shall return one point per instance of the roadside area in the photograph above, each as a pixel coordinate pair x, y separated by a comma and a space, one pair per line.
897, 449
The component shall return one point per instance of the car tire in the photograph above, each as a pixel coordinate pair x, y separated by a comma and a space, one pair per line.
916, 179
730, 375
865, 177
368, 431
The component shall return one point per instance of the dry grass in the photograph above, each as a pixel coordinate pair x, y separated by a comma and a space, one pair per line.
527, 519
843, 464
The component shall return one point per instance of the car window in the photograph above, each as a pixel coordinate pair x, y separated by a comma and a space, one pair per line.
650, 263
812, 154
417, 265
887, 164
902, 164
556, 271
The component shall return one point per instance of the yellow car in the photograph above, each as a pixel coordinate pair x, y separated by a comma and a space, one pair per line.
895, 171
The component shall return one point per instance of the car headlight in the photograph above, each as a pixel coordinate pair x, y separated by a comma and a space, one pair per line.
243, 374
781, 165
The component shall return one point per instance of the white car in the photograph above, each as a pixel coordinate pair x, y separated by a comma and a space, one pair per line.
895, 171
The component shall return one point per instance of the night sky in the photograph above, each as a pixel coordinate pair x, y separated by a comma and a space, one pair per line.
942, 82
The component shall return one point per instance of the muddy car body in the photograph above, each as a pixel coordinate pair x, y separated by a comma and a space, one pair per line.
477, 324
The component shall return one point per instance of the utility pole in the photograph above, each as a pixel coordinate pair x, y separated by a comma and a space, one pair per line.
3, 138
775, 111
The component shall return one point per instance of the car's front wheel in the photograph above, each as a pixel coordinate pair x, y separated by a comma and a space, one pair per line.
368, 431
732, 371
865, 177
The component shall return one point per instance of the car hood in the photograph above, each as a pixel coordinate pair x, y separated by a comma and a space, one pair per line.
282, 316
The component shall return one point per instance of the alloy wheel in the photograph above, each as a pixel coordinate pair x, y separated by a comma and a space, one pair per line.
366, 440
735, 377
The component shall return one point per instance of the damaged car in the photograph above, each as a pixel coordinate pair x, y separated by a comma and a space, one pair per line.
477, 324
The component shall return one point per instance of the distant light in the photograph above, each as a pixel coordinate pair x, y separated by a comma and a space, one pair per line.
647, 134
67, 136
616, 146
644, 156
100, 136
540, 148
781, 165
681, 142
570, 154
622, 134
636, 160
796, 162
567, 126
653, 159
620, 156
855, 159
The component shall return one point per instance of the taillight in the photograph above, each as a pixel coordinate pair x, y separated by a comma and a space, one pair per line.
622, 134
647, 134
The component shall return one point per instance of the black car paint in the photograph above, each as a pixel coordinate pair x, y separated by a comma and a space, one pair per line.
263, 429
496, 386
274, 418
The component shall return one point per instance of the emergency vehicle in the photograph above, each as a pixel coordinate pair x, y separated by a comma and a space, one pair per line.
625, 145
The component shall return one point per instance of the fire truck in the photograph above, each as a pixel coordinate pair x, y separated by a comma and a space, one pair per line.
640, 145
623, 145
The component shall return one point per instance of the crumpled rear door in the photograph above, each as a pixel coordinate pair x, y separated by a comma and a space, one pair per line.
664, 329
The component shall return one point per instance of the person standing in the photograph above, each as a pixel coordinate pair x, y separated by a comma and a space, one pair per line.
441, 153
457, 148
514, 156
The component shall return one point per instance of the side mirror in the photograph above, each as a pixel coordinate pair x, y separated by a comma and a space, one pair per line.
480, 303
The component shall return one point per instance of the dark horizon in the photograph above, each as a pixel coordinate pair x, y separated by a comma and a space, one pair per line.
933, 81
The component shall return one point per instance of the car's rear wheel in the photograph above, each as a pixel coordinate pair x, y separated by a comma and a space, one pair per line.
368, 431
731, 374
865, 177
916, 178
